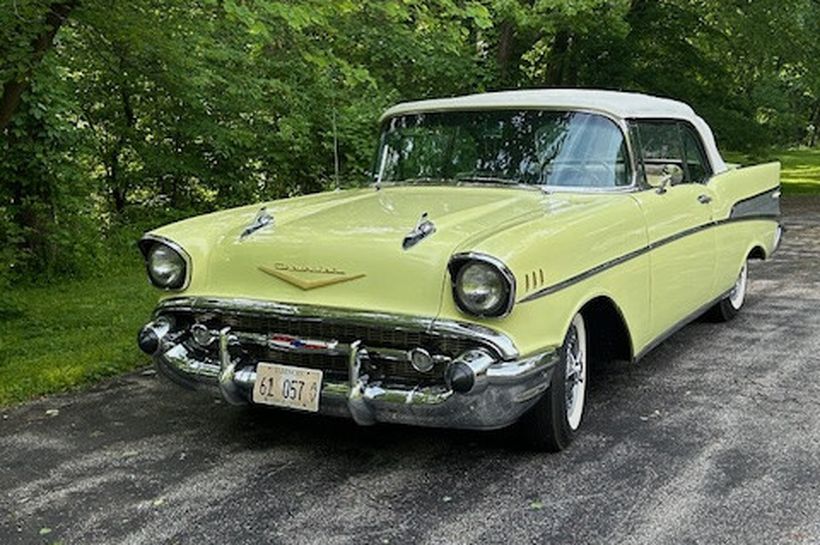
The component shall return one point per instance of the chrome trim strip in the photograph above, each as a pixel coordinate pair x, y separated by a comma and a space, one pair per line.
434, 326
143, 246
547, 290
458, 258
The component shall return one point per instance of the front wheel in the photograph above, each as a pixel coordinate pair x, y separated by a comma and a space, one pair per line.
728, 307
553, 422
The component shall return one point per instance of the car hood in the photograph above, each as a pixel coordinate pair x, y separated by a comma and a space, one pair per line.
344, 249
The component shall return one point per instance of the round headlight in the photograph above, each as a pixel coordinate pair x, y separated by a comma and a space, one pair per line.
481, 289
166, 267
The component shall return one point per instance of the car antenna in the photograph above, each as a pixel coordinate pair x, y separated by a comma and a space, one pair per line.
335, 142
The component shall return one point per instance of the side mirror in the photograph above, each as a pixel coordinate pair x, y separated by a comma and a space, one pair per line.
671, 174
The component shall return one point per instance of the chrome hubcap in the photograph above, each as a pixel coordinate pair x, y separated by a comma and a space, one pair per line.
576, 371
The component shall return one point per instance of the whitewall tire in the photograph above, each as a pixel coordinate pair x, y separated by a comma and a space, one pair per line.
553, 422
728, 307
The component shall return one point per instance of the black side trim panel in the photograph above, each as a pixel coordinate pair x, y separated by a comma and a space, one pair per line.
765, 204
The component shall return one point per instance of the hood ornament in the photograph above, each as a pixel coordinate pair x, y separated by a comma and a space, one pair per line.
262, 219
337, 277
423, 229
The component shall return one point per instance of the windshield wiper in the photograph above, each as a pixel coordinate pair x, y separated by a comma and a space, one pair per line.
477, 178
420, 180
458, 179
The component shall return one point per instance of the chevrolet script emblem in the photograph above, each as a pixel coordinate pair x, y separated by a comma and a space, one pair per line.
284, 272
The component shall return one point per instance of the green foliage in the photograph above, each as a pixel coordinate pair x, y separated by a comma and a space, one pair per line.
20, 24
46, 201
147, 111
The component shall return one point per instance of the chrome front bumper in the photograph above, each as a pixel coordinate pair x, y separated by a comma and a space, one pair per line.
500, 392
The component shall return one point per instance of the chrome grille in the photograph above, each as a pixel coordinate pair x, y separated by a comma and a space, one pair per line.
369, 335
335, 366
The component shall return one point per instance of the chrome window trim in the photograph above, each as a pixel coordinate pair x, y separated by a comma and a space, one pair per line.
692, 129
505, 347
618, 121
144, 244
506, 273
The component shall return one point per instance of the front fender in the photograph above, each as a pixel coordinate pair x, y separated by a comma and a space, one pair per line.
566, 259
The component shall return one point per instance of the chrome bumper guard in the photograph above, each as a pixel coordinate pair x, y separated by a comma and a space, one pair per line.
501, 391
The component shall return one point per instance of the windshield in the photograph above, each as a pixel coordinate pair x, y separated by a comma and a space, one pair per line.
540, 147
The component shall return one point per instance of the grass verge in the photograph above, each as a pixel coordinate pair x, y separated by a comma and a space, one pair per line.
801, 168
61, 336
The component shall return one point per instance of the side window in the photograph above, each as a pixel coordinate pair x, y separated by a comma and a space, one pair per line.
662, 143
659, 145
696, 165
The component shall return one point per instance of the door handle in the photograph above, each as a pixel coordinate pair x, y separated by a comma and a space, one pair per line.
704, 199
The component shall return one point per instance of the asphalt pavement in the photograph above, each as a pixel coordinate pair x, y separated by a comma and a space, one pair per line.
712, 438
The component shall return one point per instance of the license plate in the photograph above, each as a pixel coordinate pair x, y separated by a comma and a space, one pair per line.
286, 386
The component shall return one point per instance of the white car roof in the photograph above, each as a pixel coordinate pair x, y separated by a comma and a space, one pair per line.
613, 103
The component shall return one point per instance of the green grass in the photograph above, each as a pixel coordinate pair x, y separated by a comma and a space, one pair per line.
801, 168
58, 337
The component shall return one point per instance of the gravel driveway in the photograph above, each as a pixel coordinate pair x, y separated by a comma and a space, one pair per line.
713, 438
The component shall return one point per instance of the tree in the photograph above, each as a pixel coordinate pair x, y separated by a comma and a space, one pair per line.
30, 34
120, 115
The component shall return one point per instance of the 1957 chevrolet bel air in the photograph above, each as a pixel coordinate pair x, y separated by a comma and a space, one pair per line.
508, 241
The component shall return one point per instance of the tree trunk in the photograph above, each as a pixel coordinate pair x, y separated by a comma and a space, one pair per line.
116, 184
13, 89
814, 122
506, 46
559, 72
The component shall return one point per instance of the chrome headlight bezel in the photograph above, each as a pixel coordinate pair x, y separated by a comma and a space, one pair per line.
149, 245
505, 277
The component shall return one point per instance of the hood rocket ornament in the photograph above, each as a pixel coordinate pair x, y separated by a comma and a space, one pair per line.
423, 229
262, 219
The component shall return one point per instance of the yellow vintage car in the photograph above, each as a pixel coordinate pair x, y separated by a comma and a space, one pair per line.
507, 241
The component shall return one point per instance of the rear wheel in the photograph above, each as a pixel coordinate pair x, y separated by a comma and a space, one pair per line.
728, 307
553, 422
